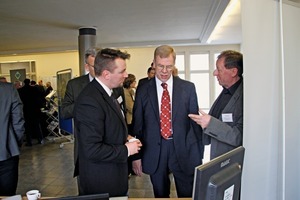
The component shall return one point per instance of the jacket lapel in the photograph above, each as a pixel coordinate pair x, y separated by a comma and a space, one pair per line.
152, 92
234, 98
110, 102
176, 95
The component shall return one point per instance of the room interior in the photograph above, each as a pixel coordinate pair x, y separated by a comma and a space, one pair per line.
266, 31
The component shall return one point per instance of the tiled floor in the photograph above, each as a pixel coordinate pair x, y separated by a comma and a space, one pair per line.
49, 169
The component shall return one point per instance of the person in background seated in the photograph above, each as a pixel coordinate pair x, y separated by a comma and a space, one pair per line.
11, 138
223, 126
172, 142
101, 129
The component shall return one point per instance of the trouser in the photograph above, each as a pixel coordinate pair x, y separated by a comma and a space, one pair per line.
9, 176
161, 178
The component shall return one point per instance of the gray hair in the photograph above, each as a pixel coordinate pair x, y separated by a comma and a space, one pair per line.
90, 52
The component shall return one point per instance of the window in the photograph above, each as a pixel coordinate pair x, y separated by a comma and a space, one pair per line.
199, 74
180, 65
197, 64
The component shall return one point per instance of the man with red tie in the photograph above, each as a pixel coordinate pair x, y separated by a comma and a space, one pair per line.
172, 142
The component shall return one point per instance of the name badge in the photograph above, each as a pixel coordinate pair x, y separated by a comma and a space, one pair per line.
227, 117
120, 99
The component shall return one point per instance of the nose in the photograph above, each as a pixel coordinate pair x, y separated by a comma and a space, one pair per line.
164, 69
215, 73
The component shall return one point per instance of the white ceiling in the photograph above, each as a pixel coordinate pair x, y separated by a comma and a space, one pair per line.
32, 26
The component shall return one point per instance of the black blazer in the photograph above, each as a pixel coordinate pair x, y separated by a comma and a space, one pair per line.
187, 134
74, 88
101, 132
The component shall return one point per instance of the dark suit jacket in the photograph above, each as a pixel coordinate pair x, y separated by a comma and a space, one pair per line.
101, 133
143, 81
187, 135
11, 121
74, 87
225, 136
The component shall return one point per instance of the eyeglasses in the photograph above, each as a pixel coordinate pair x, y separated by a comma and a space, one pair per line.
167, 67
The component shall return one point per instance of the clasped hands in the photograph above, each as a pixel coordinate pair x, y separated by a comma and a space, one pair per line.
202, 119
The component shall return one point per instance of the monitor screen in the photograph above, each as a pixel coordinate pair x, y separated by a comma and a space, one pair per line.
104, 196
220, 178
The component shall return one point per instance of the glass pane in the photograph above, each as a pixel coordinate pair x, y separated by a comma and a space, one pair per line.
180, 62
201, 81
182, 76
199, 62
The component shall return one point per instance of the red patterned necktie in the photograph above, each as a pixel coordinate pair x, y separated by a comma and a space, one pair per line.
165, 113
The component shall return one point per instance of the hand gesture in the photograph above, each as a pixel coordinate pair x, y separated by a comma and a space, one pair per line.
202, 119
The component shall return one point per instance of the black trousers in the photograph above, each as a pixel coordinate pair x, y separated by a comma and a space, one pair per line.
9, 176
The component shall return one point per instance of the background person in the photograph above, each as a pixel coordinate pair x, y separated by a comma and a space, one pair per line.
11, 138
48, 88
73, 89
182, 150
76, 85
32, 105
129, 93
223, 126
3, 79
150, 75
101, 129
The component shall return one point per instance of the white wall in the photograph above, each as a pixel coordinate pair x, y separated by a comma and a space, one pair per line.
264, 119
291, 16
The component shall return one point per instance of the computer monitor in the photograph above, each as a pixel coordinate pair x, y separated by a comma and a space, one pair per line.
220, 178
104, 196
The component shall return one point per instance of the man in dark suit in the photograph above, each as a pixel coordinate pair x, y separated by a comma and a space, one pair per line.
74, 88
150, 74
32, 104
76, 85
223, 126
11, 137
181, 151
101, 129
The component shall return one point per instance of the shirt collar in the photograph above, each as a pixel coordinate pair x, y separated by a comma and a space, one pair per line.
107, 90
233, 88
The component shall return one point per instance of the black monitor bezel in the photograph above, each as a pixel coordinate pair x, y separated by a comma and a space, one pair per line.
204, 172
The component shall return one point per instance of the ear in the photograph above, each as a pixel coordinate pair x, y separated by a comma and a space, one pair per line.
106, 74
234, 72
